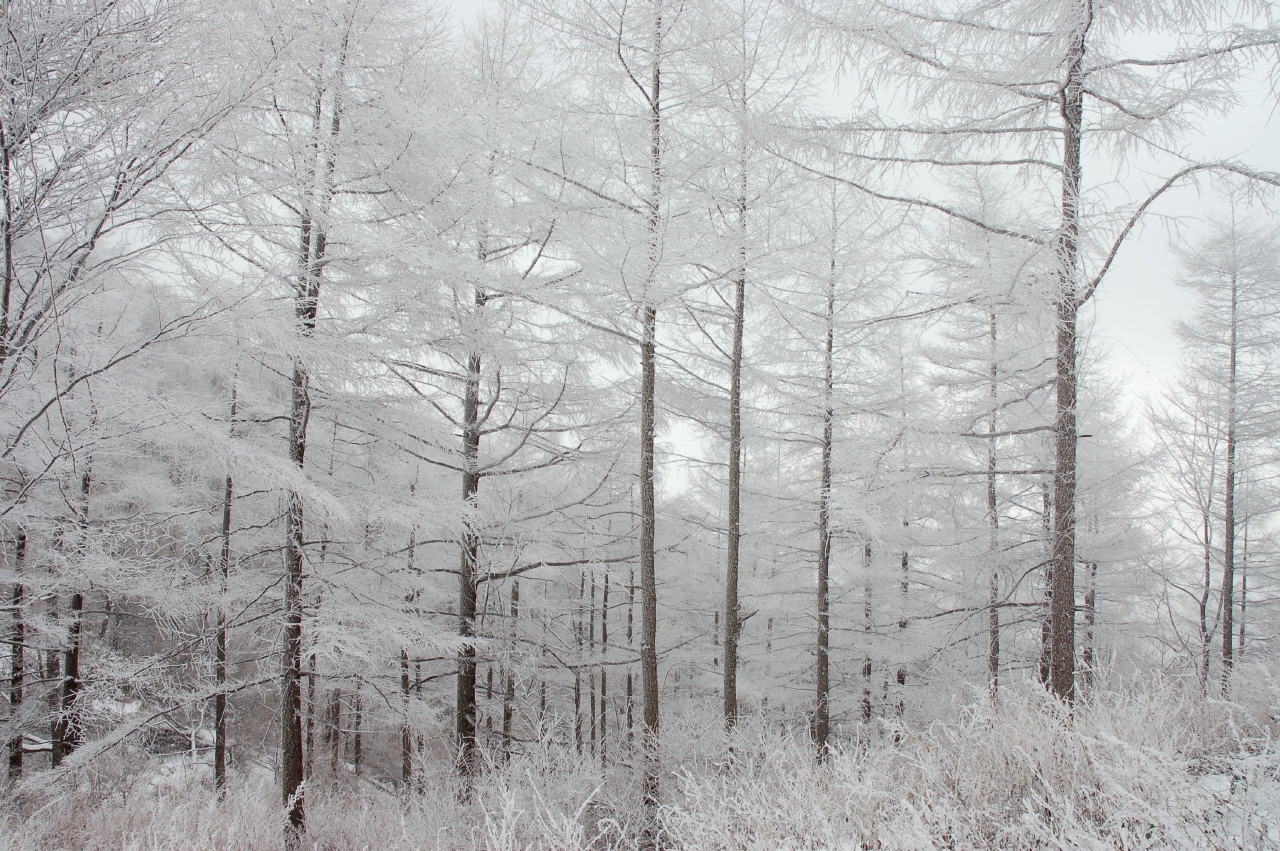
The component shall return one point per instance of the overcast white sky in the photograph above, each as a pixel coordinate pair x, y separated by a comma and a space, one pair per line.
1139, 301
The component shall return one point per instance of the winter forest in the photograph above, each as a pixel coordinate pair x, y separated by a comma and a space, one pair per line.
649, 424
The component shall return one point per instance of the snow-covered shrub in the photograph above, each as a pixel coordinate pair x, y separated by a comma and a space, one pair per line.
1153, 766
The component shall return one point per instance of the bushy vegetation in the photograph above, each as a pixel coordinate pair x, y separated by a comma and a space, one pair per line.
1154, 765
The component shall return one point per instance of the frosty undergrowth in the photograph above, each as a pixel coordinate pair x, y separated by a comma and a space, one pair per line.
1154, 766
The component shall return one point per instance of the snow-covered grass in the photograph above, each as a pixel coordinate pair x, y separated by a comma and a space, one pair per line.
1150, 766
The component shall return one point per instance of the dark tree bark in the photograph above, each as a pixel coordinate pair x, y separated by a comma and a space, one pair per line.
822, 710
6, 241
904, 586
509, 693
406, 729
1062, 606
17, 655
732, 610
220, 637
1229, 502
1046, 624
1206, 587
333, 729
577, 668
1087, 655
357, 730
591, 669
53, 675
68, 732
604, 672
866, 632
1244, 586
630, 697
993, 520
466, 710
648, 515
313, 242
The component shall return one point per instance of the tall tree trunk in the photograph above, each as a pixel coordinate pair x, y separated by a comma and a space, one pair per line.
313, 234
1046, 624
732, 611
53, 675
220, 637
648, 515
993, 522
333, 729
866, 631
357, 729
1062, 606
1088, 653
904, 586
604, 671
578, 661
631, 619
1206, 588
6, 242
309, 765
509, 693
406, 728
1229, 504
1244, 586
291, 751
822, 709
17, 654
68, 733
591, 669
466, 710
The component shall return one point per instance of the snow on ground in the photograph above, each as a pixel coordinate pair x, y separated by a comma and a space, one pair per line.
1149, 768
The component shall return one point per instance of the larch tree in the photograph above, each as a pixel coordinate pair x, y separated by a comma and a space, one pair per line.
621, 74
97, 111
1235, 273
1039, 94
